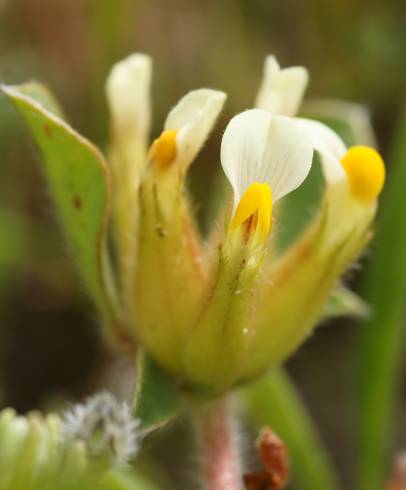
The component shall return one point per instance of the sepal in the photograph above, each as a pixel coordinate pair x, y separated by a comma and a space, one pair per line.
171, 271
217, 344
157, 398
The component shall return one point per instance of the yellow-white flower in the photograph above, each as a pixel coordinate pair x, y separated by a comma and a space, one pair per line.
158, 245
264, 157
186, 127
185, 131
217, 319
291, 291
351, 177
261, 307
281, 90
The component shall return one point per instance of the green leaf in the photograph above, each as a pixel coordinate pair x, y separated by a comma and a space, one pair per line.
381, 341
157, 398
41, 94
79, 181
272, 401
344, 302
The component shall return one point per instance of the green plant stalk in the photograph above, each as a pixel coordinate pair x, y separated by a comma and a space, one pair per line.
272, 401
380, 340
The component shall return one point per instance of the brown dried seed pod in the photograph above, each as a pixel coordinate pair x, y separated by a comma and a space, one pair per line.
272, 453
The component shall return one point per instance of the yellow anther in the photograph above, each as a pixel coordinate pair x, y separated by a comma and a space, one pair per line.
163, 149
365, 171
254, 210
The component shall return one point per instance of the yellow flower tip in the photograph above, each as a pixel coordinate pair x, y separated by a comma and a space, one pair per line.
365, 170
163, 149
254, 211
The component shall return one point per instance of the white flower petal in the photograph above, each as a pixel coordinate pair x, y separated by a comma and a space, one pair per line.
329, 145
331, 150
128, 93
194, 117
281, 90
260, 147
355, 115
242, 149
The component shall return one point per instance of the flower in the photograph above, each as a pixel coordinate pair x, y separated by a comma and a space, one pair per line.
262, 164
216, 319
157, 240
215, 314
185, 130
295, 287
262, 308
298, 284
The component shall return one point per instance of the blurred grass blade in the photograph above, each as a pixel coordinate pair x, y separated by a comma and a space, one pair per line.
272, 401
380, 341
80, 186
157, 398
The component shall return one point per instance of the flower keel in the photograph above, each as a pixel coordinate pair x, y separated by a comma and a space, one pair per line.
254, 211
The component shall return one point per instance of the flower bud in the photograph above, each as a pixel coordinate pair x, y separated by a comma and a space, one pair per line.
106, 427
89, 447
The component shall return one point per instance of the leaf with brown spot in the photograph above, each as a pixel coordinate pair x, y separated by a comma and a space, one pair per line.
77, 202
79, 181
48, 130
41, 94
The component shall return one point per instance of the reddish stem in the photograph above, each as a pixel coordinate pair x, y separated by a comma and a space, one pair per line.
217, 434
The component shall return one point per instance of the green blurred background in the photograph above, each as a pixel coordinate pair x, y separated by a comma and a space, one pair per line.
354, 49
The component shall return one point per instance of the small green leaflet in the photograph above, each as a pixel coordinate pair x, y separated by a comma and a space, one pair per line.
344, 302
157, 398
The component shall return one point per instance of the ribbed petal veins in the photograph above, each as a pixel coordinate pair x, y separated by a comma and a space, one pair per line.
260, 147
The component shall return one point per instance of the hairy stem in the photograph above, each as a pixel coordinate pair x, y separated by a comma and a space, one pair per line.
217, 438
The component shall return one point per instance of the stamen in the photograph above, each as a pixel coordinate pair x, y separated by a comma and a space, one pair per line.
163, 149
365, 170
254, 211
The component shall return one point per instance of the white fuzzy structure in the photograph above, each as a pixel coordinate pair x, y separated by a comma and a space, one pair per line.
105, 425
